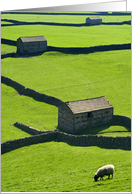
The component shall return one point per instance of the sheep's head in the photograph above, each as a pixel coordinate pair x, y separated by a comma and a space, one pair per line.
96, 177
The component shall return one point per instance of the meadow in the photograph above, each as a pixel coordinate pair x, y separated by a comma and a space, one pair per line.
51, 167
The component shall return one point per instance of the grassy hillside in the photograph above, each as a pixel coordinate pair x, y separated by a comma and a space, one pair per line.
59, 167
53, 166
67, 77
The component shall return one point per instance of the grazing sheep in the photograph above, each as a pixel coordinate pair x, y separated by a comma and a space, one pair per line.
105, 170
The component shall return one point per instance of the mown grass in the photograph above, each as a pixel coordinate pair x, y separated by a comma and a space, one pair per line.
24, 110
53, 166
59, 167
61, 18
67, 36
89, 76
74, 77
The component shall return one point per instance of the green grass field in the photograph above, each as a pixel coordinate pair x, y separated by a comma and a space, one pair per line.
53, 166
60, 167
67, 36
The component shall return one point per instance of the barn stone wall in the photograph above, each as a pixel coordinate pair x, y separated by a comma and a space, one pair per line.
93, 21
73, 123
65, 119
31, 47
81, 122
76, 140
20, 48
102, 117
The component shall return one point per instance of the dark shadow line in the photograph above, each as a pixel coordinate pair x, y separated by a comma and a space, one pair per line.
117, 23
6, 55
17, 23
87, 50
74, 50
8, 42
72, 140
40, 97
68, 13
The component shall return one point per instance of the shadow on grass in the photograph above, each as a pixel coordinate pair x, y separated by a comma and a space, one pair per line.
8, 42
97, 130
69, 50
17, 23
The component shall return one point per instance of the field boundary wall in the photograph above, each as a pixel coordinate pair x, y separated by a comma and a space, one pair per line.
77, 50
76, 140
30, 92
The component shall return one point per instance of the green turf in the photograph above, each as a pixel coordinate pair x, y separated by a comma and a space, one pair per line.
53, 166
74, 77
67, 36
89, 76
59, 167
24, 110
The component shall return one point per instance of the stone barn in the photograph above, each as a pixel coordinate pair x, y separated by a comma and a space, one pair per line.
29, 45
93, 20
84, 114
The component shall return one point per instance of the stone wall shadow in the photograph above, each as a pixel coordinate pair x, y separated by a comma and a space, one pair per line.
97, 130
87, 50
8, 42
66, 50
17, 23
73, 140
30, 92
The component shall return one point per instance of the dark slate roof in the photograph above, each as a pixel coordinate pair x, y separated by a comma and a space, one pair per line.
95, 18
89, 105
33, 39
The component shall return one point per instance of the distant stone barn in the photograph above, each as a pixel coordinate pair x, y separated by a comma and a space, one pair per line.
29, 45
93, 20
84, 114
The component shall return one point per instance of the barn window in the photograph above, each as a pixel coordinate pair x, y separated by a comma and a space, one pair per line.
89, 114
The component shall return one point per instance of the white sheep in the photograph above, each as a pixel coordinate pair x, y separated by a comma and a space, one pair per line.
105, 170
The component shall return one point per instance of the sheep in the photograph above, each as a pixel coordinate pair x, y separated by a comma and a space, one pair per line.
105, 170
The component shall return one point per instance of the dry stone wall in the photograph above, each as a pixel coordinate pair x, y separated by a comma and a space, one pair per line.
79, 50
18, 87
27, 129
30, 92
121, 120
17, 143
76, 140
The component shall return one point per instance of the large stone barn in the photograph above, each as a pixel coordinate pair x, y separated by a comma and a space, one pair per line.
84, 114
93, 20
29, 45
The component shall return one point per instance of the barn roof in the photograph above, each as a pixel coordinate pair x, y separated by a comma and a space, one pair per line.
95, 18
33, 39
89, 105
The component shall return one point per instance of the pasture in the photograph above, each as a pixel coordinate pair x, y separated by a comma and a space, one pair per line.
54, 166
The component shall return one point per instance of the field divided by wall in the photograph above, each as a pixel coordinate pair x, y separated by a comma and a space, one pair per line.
57, 166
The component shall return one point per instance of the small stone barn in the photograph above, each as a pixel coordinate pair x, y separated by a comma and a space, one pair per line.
84, 114
29, 45
93, 20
